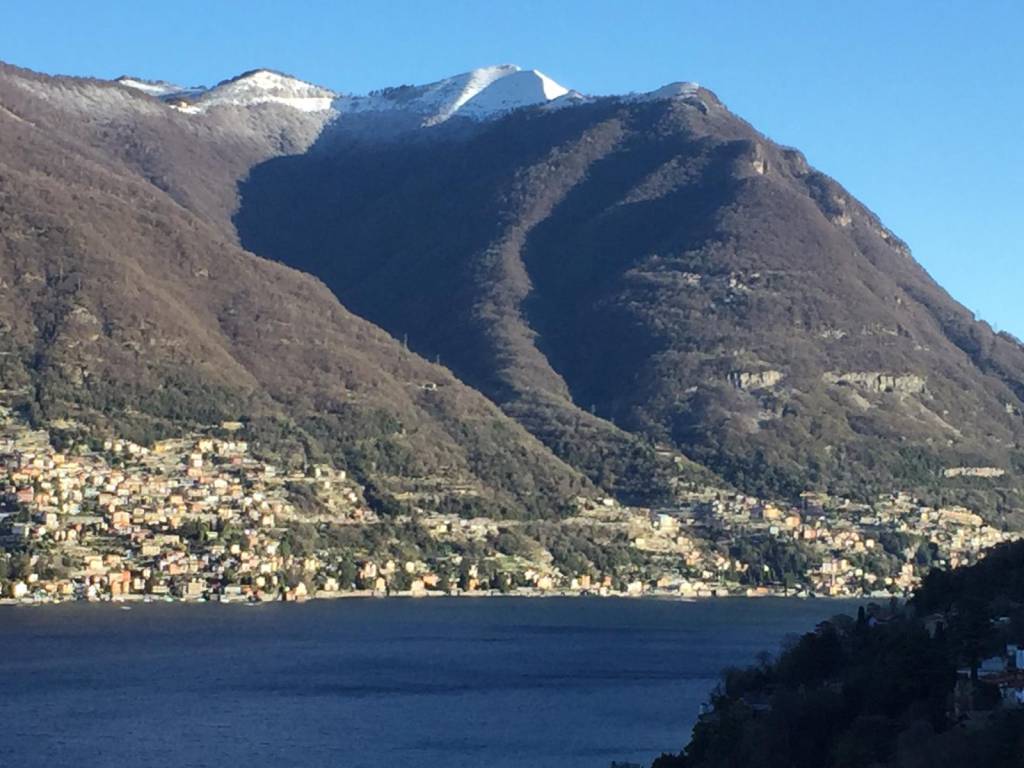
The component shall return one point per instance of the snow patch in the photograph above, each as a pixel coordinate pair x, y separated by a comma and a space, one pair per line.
86, 96
261, 86
514, 91
570, 98
156, 89
479, 95
680, 90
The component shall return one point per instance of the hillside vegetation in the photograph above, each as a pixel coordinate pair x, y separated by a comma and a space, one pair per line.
663, 271
883, 689
621, 295
123, 307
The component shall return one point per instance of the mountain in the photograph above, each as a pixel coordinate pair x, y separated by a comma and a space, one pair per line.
127, 303
649, 290
654, 264
481, 94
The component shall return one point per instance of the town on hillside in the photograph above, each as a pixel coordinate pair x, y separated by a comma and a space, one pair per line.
204, 518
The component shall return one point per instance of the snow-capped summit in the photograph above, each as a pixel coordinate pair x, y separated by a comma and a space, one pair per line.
518, 89
679, 90
262, 86
478, 94
259, 86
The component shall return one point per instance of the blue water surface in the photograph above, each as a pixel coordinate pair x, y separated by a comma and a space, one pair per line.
434, 683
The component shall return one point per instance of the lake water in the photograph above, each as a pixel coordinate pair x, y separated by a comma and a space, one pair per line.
437, 683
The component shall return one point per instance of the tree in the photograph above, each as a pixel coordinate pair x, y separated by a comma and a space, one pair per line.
347, 574
972, 629
465, 568
401, 581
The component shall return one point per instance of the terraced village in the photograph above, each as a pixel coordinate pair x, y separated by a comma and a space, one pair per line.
206, 518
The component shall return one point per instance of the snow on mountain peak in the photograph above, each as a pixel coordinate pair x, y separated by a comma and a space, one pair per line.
478, 94
678, 90
512, 91
263, 86
156, 88
447, 97
259, 86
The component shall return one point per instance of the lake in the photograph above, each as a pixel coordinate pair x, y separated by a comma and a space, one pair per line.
434, 683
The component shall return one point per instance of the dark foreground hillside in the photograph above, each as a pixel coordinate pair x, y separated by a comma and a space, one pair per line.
934, 684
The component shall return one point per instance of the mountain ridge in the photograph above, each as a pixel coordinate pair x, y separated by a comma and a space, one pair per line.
479, 94
126, 308
711, 255
638, 280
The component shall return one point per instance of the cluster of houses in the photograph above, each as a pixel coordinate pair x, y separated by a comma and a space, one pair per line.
1002, 673
181, 519
203, 518
853, 549
1006, 672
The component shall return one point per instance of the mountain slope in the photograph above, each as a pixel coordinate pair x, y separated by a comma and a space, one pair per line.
123, 306
197, 148
635, 280
660, 264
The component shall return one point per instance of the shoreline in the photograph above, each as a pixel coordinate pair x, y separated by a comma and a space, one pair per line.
129, 601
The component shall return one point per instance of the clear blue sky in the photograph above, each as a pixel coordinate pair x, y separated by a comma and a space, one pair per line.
916, 107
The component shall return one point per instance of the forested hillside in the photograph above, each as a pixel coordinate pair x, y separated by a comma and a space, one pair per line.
126, 306
652, 293
883, 689
658, 269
